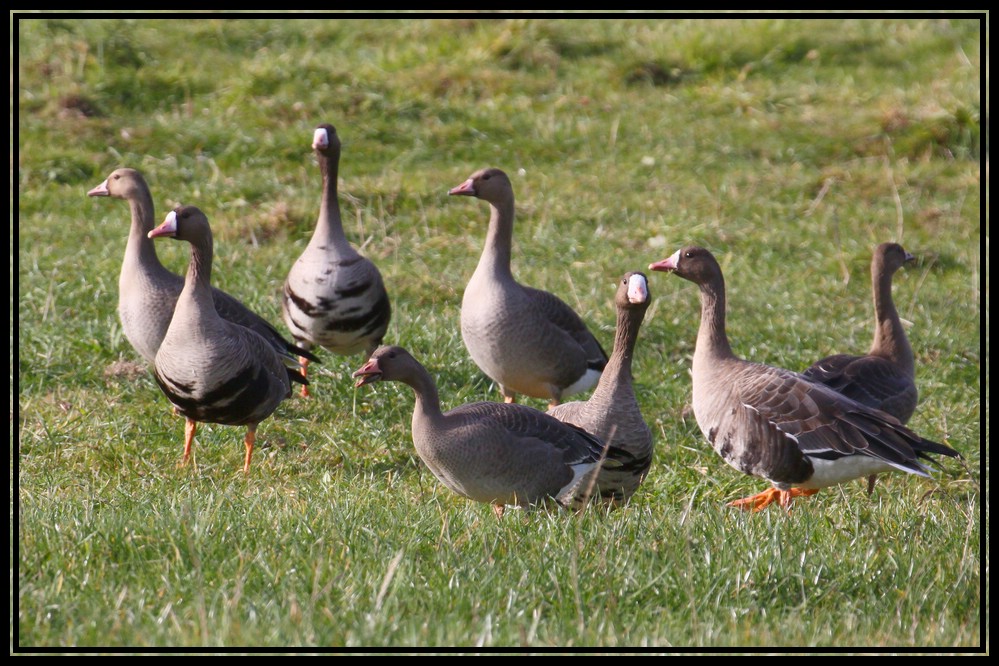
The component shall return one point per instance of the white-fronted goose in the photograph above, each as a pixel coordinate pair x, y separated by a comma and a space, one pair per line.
612, 411
213, 370
885, 377
501, 454
334, 297
147, 291
526, 340
773, 423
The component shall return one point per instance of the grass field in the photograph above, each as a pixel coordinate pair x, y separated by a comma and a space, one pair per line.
789, 147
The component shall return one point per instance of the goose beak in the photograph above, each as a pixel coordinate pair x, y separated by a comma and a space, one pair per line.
100, 191
368, 373
909, 257
666, 265
168, 228
467, 188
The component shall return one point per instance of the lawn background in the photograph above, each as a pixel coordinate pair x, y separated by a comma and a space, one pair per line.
790, 146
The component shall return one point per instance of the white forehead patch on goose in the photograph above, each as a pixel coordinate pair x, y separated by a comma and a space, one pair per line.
638, 289
320, 138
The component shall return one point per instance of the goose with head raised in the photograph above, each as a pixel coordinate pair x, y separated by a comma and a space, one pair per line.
612, 412
211, 369
148, 291
884, 377
776, 424
526, 340
334, 297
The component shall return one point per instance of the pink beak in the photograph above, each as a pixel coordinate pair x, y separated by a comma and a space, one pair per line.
168, 228
100, 191
367, 374
467, 188
666, 265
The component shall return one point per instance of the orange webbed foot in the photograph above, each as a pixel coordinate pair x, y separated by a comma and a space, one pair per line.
762, 500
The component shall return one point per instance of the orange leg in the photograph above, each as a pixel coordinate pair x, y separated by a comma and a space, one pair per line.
305, 366
251, 437
498, 510
762, 500
190, 427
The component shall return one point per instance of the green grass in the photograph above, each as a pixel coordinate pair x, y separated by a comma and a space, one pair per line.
790, 147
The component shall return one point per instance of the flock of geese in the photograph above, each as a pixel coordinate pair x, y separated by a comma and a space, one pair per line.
219, 362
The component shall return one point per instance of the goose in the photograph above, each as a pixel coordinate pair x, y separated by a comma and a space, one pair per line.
526, 340
774, 423
333, 297
885, 377
211, 369
612, 413
492, 452
148, 291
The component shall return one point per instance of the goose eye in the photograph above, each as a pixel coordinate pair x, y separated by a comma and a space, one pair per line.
486, 176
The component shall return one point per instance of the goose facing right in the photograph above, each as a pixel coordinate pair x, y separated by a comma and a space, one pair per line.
497, 453
211, 369
526, 340
884, 377
776, 424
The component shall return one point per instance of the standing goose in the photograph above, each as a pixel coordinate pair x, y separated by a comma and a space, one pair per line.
526, 340
211, 369
147, 291
489, 451
885, 377
612, 412
333, 296
774, 423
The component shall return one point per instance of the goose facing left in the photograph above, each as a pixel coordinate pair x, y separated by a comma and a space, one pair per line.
148, 291
774, 423
527, 340
212, 370
493, 452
